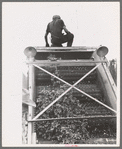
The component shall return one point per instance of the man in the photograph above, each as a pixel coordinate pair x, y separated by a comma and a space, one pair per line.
55, 28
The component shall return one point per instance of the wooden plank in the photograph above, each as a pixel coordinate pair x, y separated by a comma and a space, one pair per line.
71, 118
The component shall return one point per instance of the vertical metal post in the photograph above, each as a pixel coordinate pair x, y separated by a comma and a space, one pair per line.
30, 52
30, 108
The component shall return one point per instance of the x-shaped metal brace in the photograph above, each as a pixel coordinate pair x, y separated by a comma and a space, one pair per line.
71, 86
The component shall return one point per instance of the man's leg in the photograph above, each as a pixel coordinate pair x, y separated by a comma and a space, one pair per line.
56, 42
56, 45
68, 38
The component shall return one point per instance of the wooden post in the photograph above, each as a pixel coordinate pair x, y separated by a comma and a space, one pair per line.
30, 52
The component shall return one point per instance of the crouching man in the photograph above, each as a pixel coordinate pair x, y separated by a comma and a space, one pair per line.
55, 28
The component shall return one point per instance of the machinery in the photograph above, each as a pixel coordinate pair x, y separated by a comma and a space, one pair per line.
74, 94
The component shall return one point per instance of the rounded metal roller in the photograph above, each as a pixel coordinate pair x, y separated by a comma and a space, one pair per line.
102, 51
30, 52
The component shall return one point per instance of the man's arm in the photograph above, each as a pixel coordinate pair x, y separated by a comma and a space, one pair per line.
61, 24
65, 29
46, 34
46, 40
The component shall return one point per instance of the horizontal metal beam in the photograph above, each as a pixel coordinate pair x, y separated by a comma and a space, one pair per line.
66, 62
66, 49
71, 118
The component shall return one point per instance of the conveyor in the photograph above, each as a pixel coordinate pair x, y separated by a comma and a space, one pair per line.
79, 72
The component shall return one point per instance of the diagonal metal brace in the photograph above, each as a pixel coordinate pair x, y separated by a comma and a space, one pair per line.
76, 87
71, 86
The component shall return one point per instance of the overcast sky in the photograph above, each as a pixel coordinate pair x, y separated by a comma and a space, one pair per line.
24, 24
92, 23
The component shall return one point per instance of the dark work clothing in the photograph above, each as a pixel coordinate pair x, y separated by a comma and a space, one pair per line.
64, 38
55, 28
57, 38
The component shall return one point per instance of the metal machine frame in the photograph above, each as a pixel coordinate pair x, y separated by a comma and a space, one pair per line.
32, 64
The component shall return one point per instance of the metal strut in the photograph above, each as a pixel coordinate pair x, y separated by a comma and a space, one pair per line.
71, 86
73, 118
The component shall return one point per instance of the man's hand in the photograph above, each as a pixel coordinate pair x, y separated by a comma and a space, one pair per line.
47, 45
66, 30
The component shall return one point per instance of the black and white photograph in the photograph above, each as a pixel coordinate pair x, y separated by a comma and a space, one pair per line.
61, 74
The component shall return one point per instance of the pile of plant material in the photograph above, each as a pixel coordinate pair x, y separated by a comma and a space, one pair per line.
64, 107
63, 132
69, 131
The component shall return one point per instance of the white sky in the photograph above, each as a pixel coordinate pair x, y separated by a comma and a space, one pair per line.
92, 23
24, 24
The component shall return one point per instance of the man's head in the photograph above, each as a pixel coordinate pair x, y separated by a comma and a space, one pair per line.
55, 17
